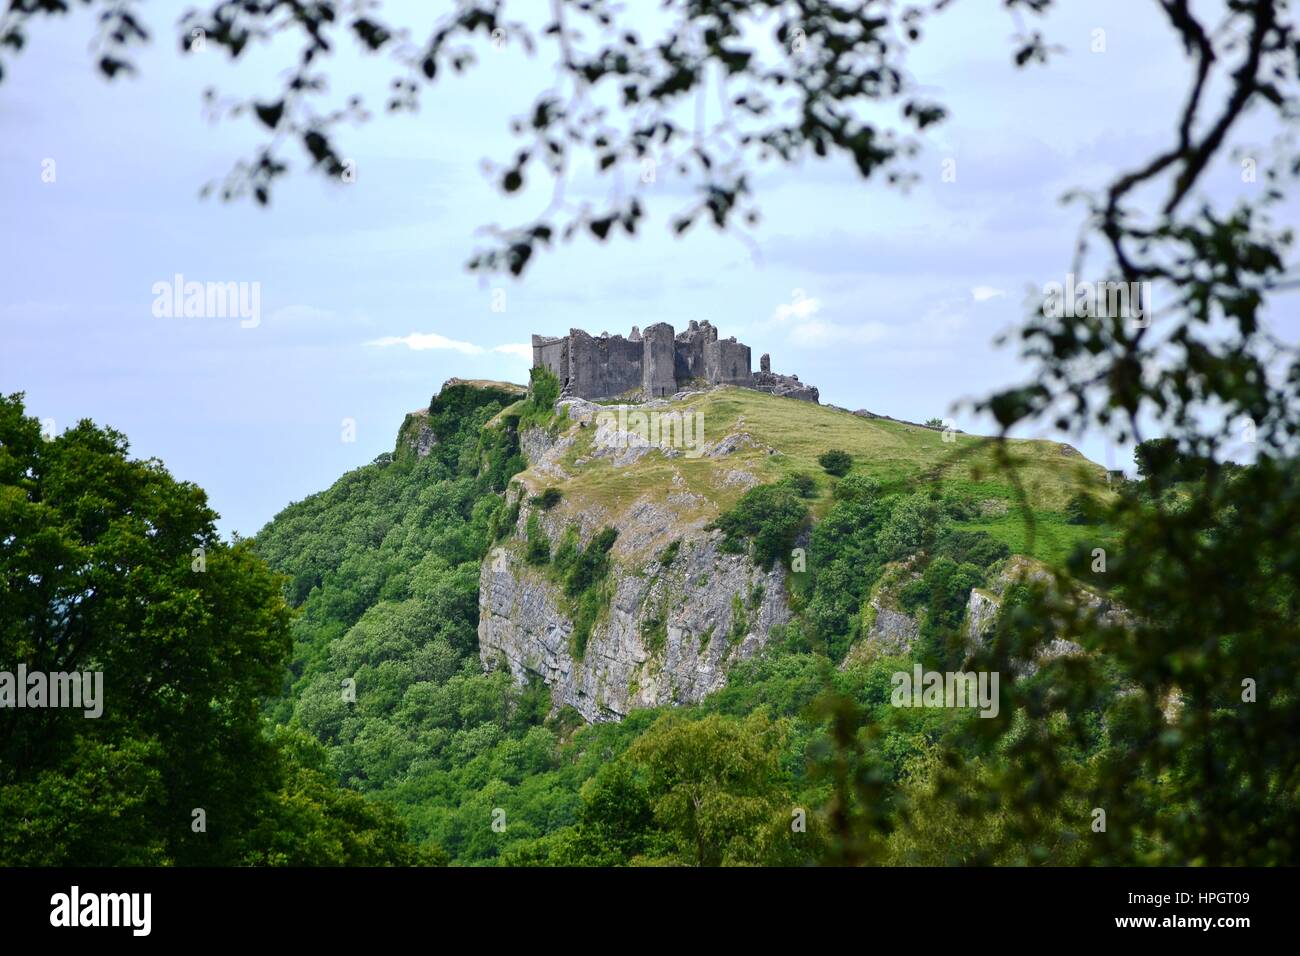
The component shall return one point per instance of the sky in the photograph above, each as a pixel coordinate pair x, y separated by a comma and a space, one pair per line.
884, 300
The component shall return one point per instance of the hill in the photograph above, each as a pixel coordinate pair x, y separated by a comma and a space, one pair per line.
752, 437
397, 568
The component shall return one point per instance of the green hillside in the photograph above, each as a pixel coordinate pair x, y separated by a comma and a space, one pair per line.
383, 568
904, 458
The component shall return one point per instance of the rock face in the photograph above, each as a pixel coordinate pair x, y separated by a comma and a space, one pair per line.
679, 611
887, 628
785, 386
983, 606
668, 638
416, 435
981, 614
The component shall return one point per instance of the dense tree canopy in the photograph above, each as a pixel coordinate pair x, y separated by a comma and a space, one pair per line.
112, 566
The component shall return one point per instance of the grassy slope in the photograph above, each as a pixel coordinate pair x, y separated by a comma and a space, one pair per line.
905, 457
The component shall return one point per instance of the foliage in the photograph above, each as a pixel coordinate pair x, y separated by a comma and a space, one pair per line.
767, 519
1080, 509
538, 548
583, 585
805, 486
715, 786
543, 392
188, 642
970, 547
836, 462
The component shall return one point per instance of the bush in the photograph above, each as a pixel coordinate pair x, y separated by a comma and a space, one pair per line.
909, 527
944, 591
857, 488
768, 518
1081, 509
505, 519
805, 486
836, 462
971, 547
584, 619
543, 390
567, 553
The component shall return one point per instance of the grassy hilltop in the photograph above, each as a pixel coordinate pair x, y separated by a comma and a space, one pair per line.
903, 457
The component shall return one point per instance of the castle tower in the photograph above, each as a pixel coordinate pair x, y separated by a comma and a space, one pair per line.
657, 364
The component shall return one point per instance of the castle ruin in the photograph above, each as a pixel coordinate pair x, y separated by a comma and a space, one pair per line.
657, 363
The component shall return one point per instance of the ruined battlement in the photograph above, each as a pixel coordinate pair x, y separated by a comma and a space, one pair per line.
656, 363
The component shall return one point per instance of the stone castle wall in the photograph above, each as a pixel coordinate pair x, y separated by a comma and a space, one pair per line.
656, 363
726, 362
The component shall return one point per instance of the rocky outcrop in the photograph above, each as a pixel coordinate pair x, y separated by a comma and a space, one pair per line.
416, 435
981, 614
983, 606
668, 637
886, 626
677, 611
786, 386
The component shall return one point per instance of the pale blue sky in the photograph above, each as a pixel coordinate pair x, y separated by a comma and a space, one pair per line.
903, 294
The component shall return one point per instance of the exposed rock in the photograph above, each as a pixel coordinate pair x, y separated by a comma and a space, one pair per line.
983, 605
993, 508
416, 435
887, 628
540, 445
730, 445
981, 614
785, 386
668, 636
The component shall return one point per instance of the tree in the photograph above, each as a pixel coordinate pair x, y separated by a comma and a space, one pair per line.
111, 566
797, 80
1208, 574
836, 462
717, 785
543, 390
766, 520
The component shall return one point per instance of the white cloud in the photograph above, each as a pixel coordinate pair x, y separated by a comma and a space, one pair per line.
982, 293
799, 307
420, 341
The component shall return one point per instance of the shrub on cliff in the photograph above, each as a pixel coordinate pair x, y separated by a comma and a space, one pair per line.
767, 518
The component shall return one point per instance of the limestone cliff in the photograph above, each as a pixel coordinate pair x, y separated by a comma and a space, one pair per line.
679, 610
674, 611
